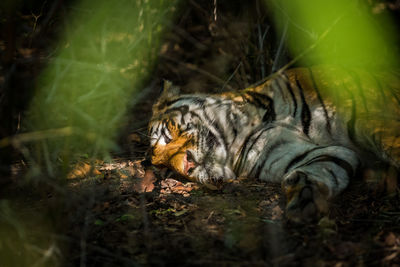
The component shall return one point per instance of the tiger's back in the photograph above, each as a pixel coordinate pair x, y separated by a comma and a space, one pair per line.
366, 102
359, 106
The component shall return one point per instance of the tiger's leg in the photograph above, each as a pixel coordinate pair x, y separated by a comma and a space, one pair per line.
313, 178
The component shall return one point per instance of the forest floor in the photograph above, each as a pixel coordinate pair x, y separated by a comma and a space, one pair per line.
122, 214
134, 216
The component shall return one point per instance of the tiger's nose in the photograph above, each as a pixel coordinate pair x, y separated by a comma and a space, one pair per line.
189, 162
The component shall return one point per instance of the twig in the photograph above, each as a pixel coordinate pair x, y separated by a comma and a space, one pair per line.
145, 220
311, 47
47, 160
50, 14
370, 220
281, 43
84, 233
261, 38
35, 136
47, 254
197, 69
190, 38
312, 35
215, 10
230, 77
199, 7
36, 18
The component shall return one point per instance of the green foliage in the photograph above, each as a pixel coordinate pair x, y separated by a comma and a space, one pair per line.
25, 238
99, 222
107, 53
344, 32
125, 217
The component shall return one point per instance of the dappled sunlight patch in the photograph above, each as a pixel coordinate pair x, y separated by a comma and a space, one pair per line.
146, 184
123, 169
82, 170
125, 174
392, 242
171, 186
390, 245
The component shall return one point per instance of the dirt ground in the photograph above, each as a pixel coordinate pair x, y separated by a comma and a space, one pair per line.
123, 215
181, 223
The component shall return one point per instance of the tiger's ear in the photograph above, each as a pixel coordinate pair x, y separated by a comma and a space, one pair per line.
169, 91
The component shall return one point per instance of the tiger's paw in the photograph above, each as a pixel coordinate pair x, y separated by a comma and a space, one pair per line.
306, 200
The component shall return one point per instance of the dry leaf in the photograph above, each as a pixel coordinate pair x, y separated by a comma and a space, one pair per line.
146, 184
391, 256
82, 170
390, 239
277, 213
134, 138
391, 180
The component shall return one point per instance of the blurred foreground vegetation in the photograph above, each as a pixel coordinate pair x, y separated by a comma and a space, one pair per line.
106, 55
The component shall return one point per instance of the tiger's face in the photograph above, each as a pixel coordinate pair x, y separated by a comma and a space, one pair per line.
173, 143
182, 140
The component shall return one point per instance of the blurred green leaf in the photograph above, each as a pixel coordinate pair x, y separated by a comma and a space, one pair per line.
108, 51
99, 222
345, 32
125, 217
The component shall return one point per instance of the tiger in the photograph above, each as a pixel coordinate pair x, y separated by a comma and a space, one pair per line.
309, 129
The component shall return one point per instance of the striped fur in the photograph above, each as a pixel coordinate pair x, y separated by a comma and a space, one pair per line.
307, 128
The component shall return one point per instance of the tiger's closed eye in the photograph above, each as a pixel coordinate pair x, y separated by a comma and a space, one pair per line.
166, 134
189, 156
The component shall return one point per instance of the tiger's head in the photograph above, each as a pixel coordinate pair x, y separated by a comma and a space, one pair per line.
186, 136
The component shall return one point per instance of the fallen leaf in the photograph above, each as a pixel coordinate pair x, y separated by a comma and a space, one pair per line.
82, 170
126, 172
134, 138
392, 256
391, 181
146, 184
345, 249
169, 186
180, 187
339, 264
277, 213
326, 223
181, 212
390, 239
264, 203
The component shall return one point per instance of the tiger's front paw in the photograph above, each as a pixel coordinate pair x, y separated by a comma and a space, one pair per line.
306, 200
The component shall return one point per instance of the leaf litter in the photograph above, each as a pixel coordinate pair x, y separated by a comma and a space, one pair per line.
153, 217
